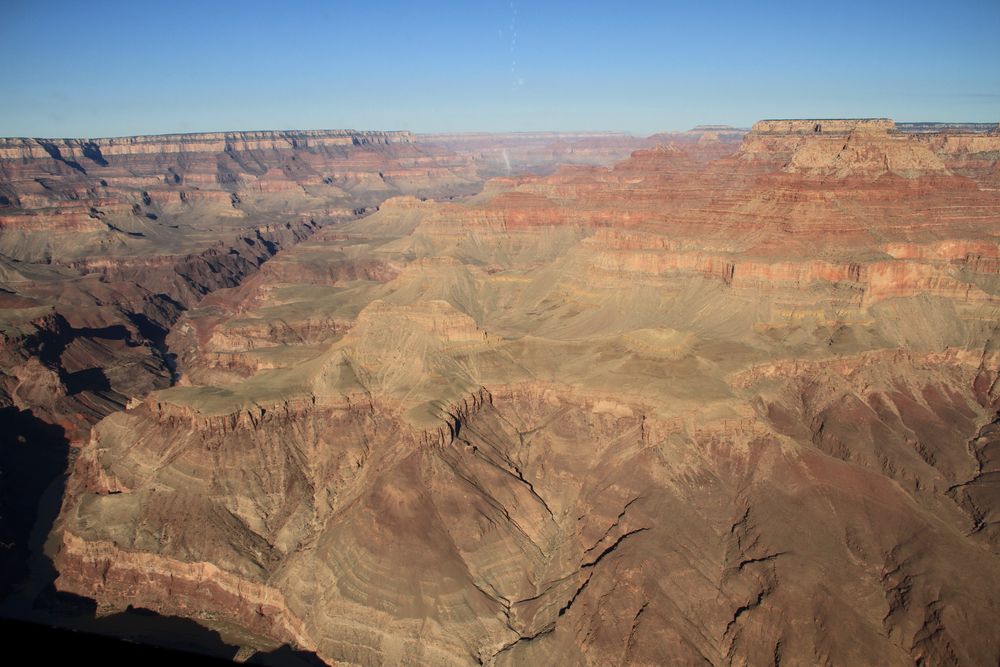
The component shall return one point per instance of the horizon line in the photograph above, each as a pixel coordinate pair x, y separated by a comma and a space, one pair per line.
472, 132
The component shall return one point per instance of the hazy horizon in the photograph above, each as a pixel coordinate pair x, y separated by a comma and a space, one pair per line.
123, 69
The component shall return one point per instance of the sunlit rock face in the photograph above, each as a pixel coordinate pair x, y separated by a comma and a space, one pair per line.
723, 401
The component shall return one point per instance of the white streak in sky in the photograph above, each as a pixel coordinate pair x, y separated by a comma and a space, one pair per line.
516, 81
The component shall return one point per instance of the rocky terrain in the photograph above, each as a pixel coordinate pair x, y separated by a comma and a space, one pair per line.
730, 400
105, 242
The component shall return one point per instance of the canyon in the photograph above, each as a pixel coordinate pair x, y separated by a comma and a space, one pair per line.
717, 396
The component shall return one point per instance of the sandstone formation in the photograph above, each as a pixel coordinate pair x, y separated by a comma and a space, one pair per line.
720, 402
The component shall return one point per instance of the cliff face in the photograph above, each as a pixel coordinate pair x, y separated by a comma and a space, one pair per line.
724, 402
97, 151
72, 197
841, 126
871, 147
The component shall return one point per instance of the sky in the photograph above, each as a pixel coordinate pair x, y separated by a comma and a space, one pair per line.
91, 68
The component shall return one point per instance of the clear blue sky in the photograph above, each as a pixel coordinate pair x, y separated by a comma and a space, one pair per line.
99, 68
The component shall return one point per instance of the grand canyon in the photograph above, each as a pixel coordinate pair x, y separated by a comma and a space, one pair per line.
721, 396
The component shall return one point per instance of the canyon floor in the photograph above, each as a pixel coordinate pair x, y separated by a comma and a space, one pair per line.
715, 397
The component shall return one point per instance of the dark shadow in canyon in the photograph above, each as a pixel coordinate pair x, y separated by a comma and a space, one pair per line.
34, 460
135, 634
49, 644
156, 336
92, 379
286, 656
